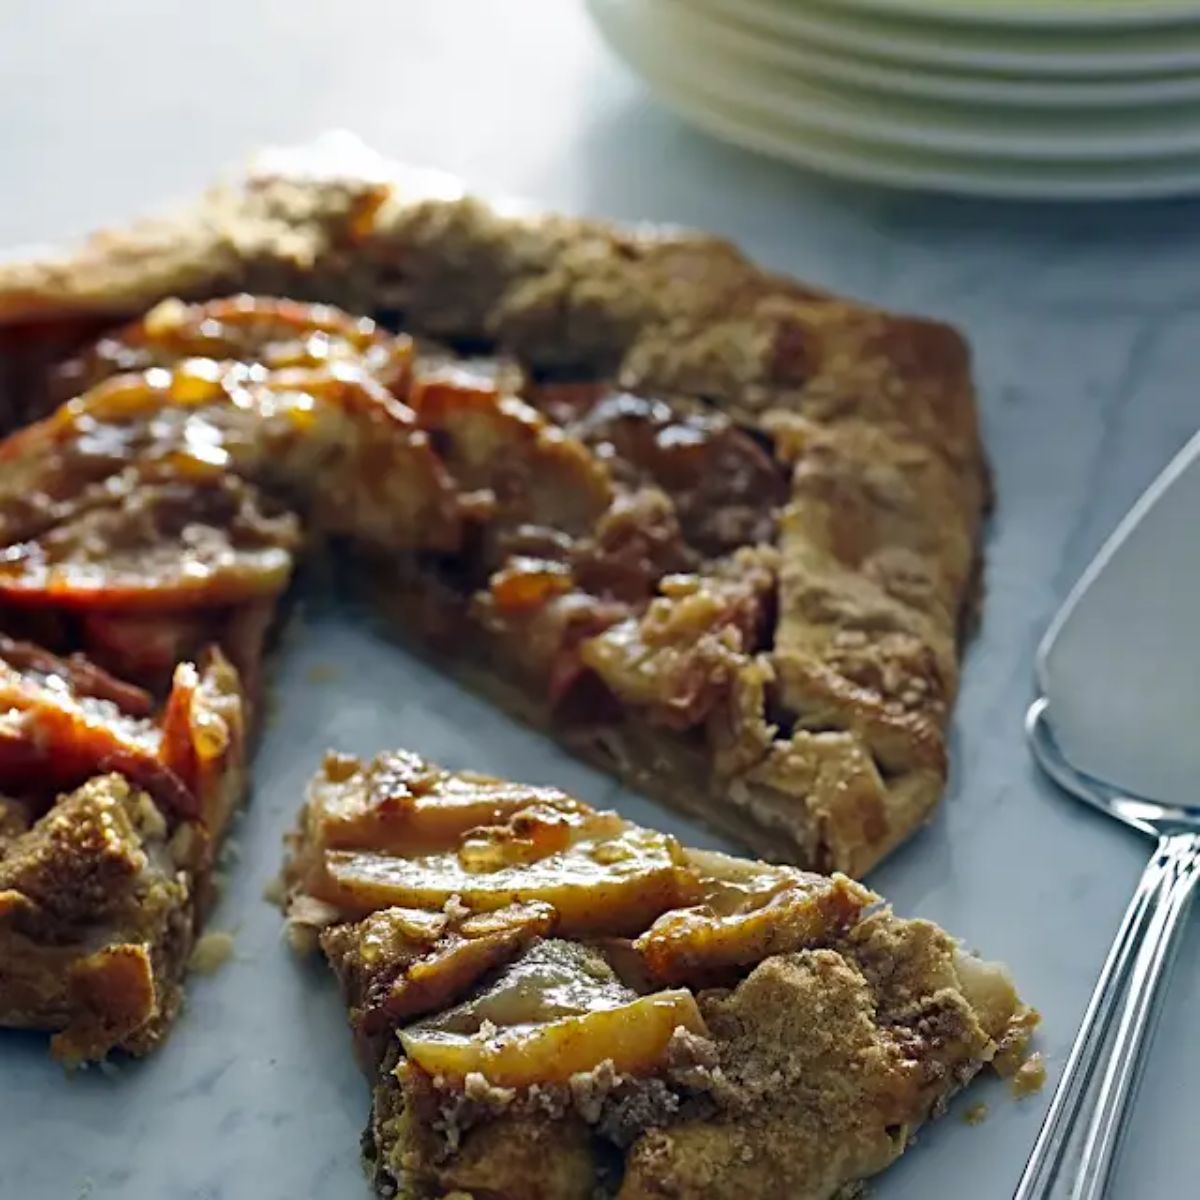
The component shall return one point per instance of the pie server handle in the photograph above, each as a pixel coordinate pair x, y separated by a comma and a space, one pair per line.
1180, 855
1127, 993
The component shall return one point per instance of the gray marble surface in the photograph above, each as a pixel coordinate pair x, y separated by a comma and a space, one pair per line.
1086, 330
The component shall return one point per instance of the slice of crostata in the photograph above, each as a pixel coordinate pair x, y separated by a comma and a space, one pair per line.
555, 1003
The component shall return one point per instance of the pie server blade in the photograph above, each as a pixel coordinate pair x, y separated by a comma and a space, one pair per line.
1116, 727
1120, 664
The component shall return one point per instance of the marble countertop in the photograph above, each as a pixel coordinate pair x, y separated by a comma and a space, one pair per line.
1085, 324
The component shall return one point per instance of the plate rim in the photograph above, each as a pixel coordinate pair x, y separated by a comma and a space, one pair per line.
884, 77
1147, 13
827, 29
979, 184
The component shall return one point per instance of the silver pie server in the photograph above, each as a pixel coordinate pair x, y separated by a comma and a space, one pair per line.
1116, 725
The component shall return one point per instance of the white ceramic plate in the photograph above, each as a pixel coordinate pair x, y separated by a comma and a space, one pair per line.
698, 97
677, 43
1037, 52
825, 65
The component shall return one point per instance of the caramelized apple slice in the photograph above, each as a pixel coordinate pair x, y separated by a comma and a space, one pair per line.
147, 645
204, 737
676, 658
725, 487
496, 444
52, 739
600, 873
164, 546
399, 803
399, 963
556, 1012
250, 329
335, 444
751, 910
358, 463
56, 732
634, 1038
526, 584
82, 677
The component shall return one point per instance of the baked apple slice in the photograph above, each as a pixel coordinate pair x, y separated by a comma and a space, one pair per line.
56, 731
525, 472
161, 545
163, 511
333, 444
599, 872
559, 1011
276, 333
725, 486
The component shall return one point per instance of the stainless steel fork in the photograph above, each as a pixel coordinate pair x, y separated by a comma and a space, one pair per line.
1128, 991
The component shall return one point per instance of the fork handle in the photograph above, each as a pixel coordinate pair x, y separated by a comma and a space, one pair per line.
1142, 918
1180, 856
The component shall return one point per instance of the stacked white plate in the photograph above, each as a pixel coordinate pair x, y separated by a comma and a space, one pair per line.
1062, 99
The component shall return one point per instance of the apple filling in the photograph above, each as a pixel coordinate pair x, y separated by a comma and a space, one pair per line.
557, 1012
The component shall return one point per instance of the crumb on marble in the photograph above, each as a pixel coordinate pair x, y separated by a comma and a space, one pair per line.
1030, 1076
976, 1114
1010, 1054
270, 708
211, 952
321, 672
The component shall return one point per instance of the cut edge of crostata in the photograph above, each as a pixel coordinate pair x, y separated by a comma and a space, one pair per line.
112, 813
553, 1001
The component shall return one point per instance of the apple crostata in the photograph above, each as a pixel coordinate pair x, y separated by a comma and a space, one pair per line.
552, 1001
715, 530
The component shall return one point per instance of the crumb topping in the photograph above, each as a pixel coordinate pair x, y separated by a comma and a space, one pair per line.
211, 951
1030, 1076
